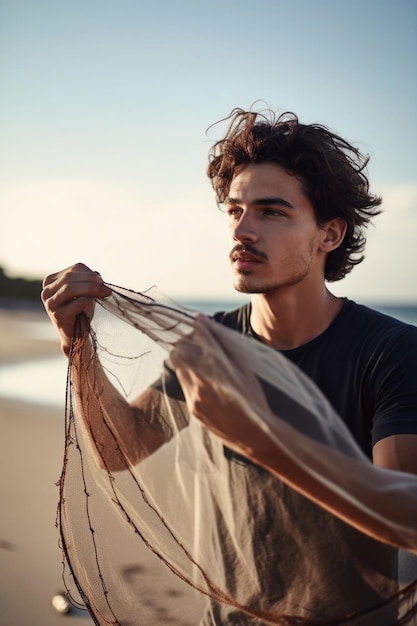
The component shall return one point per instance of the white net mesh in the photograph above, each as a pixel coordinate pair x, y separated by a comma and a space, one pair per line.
166, 521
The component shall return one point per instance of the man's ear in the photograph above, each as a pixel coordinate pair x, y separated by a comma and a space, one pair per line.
334, 232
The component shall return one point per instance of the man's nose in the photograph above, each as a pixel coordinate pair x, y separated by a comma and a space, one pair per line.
244, 229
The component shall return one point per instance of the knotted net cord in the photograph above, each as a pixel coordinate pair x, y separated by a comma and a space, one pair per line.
162, 523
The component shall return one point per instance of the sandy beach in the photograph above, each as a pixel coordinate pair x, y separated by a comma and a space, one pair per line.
31, 452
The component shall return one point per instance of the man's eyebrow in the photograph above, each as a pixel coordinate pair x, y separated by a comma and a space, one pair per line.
274, 200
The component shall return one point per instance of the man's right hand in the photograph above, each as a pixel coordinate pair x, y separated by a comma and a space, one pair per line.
68, 293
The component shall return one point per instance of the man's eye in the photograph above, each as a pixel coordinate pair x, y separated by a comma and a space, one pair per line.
272, 212
234, 212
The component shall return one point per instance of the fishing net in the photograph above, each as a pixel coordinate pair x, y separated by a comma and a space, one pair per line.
166, 515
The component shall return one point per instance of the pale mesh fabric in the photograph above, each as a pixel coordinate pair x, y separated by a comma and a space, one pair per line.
162, 524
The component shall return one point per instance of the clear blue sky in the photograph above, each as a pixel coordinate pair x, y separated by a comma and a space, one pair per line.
104, 107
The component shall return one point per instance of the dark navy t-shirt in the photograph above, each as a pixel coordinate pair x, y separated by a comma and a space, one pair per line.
365, 363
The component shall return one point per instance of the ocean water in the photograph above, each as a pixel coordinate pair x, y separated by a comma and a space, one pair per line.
404, 312
44, 381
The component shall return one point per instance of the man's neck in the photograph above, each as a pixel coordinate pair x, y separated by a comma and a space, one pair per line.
286, 321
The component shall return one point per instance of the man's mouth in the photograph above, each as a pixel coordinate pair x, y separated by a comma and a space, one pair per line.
247, 252
245, 256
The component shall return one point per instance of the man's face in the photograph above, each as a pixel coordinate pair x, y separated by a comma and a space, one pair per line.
275, 237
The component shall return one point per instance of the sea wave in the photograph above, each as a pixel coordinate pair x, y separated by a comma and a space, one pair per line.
41, 381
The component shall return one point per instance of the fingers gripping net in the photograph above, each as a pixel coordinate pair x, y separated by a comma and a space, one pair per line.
162, 523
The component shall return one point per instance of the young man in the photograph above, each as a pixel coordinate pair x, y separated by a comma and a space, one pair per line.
298, 202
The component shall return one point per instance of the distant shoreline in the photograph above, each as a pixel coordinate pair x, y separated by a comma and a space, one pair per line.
21, 304
18, 342
405, 311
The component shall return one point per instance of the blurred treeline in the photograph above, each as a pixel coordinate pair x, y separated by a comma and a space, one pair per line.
12, 289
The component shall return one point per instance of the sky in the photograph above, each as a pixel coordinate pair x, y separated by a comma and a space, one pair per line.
104, 111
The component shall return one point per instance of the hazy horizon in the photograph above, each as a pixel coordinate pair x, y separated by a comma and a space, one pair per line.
103, 119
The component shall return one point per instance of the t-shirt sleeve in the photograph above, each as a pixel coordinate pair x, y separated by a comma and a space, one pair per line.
394, 379
168, 383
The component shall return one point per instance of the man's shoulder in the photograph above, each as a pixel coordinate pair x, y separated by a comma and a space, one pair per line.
238, 319
373, 322
368, 334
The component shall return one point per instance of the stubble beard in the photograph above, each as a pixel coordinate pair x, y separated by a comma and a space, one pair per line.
246, 282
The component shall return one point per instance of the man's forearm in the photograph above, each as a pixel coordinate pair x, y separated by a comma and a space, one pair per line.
121, 433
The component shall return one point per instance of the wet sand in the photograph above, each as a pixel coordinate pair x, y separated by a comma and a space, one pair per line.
31, 455
31, 452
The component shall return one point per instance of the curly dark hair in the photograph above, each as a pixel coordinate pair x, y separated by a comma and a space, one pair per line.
331, 171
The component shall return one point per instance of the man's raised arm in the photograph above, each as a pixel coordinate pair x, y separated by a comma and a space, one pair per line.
120, 433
